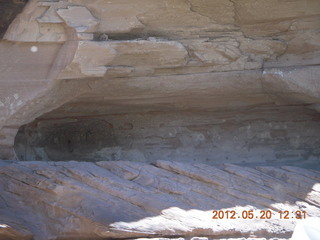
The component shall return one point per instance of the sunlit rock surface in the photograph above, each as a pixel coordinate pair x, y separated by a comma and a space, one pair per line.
213, 105
126, 199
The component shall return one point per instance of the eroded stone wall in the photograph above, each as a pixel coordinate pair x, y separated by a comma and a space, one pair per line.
271, 134
189, 81
88, 58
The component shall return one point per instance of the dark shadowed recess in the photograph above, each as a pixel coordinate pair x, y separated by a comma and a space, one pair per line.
9, 9
269, 134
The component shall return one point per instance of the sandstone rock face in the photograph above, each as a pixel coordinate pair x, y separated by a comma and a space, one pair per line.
76, 59
214, 105
126, 199
225, 136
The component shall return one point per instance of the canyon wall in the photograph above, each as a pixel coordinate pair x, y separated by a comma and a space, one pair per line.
136, 119
228, 70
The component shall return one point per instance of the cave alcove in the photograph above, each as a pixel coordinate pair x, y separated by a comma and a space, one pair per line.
256, 134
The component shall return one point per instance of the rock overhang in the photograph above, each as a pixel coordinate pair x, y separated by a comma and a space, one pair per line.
197, 84
163, 57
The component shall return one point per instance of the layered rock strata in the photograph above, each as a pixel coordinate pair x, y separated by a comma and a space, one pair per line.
126, 199
155, 56
200, 83
269, 133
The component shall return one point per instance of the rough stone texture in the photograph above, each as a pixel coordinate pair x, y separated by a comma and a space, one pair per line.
92, 58
241, 135
122, 199
8, 11
190, 81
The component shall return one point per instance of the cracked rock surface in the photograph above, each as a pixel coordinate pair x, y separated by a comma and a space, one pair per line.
125, 199
213, 105
151, 55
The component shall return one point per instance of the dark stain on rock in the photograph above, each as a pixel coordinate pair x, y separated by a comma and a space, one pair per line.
9, 9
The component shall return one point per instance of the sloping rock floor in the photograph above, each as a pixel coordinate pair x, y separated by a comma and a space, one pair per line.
162, 200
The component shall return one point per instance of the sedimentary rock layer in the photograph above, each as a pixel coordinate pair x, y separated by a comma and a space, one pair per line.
143, 80
245, 52
264, 133
72, 200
